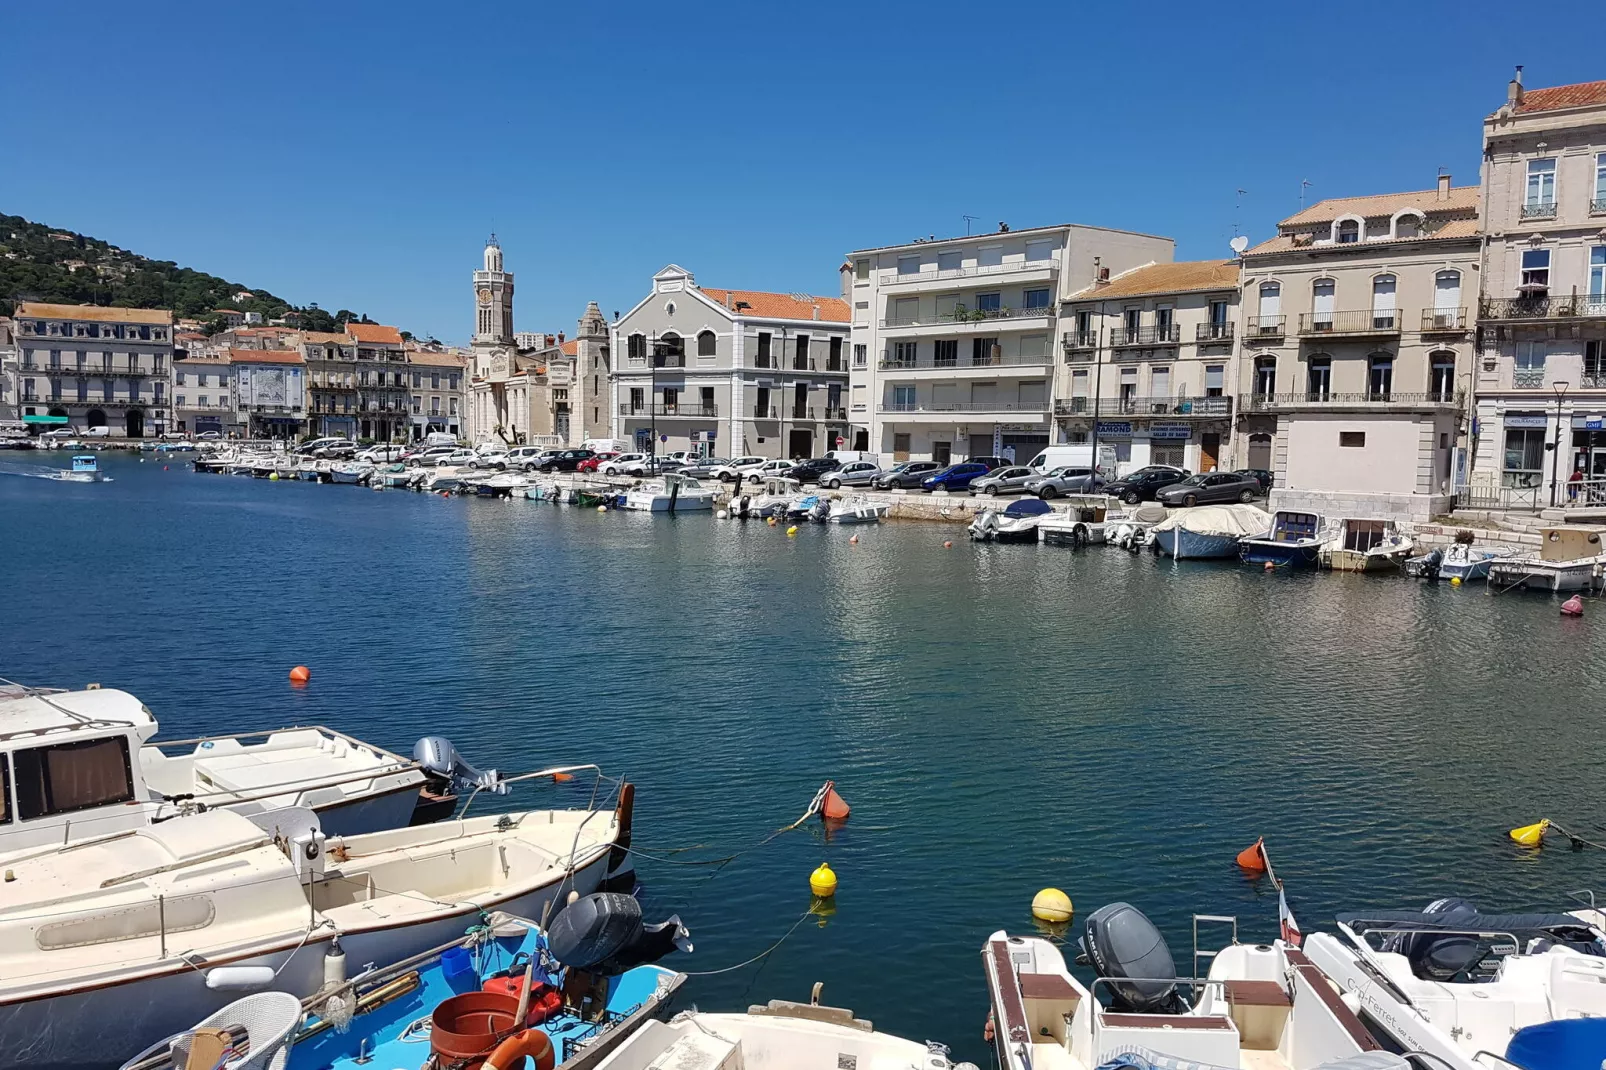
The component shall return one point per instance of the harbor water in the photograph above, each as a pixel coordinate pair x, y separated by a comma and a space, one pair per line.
1000, 718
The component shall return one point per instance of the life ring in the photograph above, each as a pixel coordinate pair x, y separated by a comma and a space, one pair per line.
511, 1052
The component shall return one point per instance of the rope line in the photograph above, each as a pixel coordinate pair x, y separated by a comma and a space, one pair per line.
748, 962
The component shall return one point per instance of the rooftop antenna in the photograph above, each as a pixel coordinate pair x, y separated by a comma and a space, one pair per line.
1239, 243
1237, 207
969, 219
1304, 183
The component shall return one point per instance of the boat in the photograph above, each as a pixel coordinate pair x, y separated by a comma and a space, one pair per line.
444, 480
591, 495
1569, 559
396, 474
1363, 545
310, 470
1261, 1007
96, 772
1076, 527
85, 469
157, 928
779, 495
855, 510
1207, 531
672, 493
548, 491
351, 472
1456, 983
501, 485
1459, 561
1016, 522
1294, 540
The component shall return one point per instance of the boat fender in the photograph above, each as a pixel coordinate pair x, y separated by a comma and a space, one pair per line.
239, 978
512, 1051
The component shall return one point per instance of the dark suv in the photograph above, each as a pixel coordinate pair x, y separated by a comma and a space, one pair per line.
565, 460
811, 470
1144, 484
906, 474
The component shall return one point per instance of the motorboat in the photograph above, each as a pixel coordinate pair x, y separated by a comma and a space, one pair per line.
444, 480
1456, 983
1016, 522
501, 485
1458, 561
779, 494
1207, 531
1569, 559
310, 470
1261, 1007
264, 465
286, 467
856, 509
396, 475
351, 472
85, 469
1294, 540
544, 491
157, 928
1076, 527
673, 493
1361, 545
85, 767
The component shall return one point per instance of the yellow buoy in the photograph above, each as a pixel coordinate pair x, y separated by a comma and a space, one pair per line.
822, 882
1455, 581
770, 521
791, 532
1531, 835
273, 475
602, 508
1051, 904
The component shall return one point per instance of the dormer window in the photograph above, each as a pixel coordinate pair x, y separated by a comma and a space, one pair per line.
1347, 231
1408, 225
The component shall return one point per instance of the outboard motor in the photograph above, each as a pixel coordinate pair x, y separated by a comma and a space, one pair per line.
602, 934
438, 758
1441, 957
1431, 564
1120, 942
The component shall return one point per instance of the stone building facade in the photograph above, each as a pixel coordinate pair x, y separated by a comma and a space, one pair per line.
99, 367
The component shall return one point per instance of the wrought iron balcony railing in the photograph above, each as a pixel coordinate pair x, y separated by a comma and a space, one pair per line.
676, 409
1539, 210
1540, 308
1265, 326
968, 361
1360, 321
962, 315
1443, 319
1208, 408
1080, 340
962, 406
1168, 335
1213, 332
1261, 402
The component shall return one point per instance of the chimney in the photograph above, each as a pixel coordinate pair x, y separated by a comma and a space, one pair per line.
560, 338
816, 312
1444, 187
1514, 88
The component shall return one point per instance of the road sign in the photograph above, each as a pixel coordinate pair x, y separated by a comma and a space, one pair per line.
663, 438
840, 442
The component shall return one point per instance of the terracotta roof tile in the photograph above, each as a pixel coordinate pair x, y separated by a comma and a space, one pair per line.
571, 347
265, 356
1180, 277
375, 333
325, 338
1451, 228
436, 360
1461, 199
93, 313
1581, 95
780, 306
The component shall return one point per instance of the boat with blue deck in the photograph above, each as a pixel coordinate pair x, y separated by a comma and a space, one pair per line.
1294, 540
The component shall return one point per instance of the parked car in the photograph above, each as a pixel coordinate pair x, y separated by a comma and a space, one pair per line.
705, 466
1010, 479
1210, 487
653, 466
519, 458
1066, 479
851, 474
1145, 483
454, 456
490, 457
616, 467
56, 433
591, 464
428, 457
954, 477
990, 462
811, 470
768, 470
906, 474
309, 448
563, 461
737, 469
1265, 478
383, 454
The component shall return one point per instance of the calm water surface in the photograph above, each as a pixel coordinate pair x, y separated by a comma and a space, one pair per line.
1000, 718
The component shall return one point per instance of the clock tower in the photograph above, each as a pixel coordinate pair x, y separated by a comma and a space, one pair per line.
493, 300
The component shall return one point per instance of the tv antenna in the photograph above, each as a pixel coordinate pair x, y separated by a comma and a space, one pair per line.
969, 219
1237, 206
1304, 184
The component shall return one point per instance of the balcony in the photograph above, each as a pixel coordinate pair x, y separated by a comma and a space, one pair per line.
1359, 323
1168, 335
835, 412
1597, 206
1073, 341
1527, 379
1543, 308
1539, 210
765, 412
803, 412
670, 411
961, 315
1206, 333
949, 363
1048, 268
934, 408
1444, 320
662, 361
1380, 401
1264, 328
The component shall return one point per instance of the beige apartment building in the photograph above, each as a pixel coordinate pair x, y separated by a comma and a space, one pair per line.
99, 367
357, 381
1541, 373
203, 394
731, 372
436, 378
1356, 352
1150, 365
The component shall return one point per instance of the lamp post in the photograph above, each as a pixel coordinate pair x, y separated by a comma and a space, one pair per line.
1560, 387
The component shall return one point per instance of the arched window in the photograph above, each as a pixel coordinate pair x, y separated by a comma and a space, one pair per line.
1265, 376
1379, 376
1319, 379
1409, 224
1383, 303
670, 351
1441, 375
705, 343
1447, 301
1270, 317
1347, 231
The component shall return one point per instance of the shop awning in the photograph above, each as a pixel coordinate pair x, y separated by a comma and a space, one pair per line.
45, 419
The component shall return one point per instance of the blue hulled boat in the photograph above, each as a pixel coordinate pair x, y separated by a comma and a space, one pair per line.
1207, 531
1294, 541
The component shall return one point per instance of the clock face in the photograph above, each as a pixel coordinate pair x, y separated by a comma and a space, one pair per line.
485, 295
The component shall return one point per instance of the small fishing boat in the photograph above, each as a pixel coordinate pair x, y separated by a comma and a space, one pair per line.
307, 470
1207, 531
85, 469
501, 485
1016, 522
671, 494
589, 496
1569, 559
856, 510
437, 480
396, 475
1367, 546
351, 472
547, 491
779, 495
1459, 561
1294, 540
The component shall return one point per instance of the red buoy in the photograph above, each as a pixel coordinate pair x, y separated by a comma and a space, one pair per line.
300, 674
834, 808
1253, 858
1573, 607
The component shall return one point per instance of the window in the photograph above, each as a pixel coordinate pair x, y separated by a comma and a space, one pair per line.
1265, 376
861, 270
1347, 232
1441, 376
1322, 297
945, 353
904, 354
1271, 308
952, 260
903, 398
1319, 379
990, 256
72, 776
1352, 439
1528, 367
763, 359
418, 403
707, 399
1408, 225
452, 402
1535, 273
637, 398
1218, 319
861, 356
434, 380
1040, 249
1540, 198
1160, 382
1215, 380
636, 346
705, 343
1127, 392
1524, 457
1594, 363
1079, 390
983, 351
1597, 281
418, 380
179, 399
1131, 320
1036, 299
834, 360
1447, 299
909, 265
1383, 306
1162, 324
989, 302
1598, 204
1379, 377
1034, 347
800, 357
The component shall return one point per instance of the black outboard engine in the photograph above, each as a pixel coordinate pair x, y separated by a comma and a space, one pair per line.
1431, 564
1119, 943
602, 934
438, 758
1441, 957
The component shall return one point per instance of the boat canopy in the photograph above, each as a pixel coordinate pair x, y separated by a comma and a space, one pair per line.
1028, 507
1237, 520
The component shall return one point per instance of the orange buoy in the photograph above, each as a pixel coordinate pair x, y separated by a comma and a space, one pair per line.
1253, 857
562, 778
947, 546
834, 808
511, 1052
300, 674
854, 540
1573, 607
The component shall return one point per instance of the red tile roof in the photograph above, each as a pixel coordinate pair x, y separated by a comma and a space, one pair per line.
571, 348
1581, 95
376, 333
265, 356
781, 306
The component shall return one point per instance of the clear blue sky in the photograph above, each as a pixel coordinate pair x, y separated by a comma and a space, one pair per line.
358, 154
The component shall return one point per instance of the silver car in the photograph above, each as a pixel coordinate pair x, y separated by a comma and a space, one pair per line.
1064, 480
852, 474
1009, 480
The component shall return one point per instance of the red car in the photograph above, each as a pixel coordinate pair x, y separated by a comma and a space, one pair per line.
590, 463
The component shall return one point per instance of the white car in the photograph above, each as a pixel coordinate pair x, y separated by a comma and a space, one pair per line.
524, 457
490, 457
768, 470
454, 457
734, 470
617, 466
852, 474
381, 454
58, 433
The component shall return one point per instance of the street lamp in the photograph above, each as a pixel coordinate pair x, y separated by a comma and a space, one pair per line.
1560, 387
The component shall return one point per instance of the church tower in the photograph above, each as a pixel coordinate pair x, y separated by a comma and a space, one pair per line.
493, 298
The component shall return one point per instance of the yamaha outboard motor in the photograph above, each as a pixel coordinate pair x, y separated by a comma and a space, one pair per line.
602, 934
1120, 943
438, 758
1431, 564
1437, 957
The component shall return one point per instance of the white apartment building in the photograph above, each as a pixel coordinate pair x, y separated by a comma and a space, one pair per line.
1150, 363
203, 394
99, 367
1541, 370
953, 339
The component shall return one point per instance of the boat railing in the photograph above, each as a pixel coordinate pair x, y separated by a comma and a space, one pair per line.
1199, 985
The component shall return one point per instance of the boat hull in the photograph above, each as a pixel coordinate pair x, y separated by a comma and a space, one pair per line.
659, 503
1184, 545
1281, 554
1545, 576
1359, 561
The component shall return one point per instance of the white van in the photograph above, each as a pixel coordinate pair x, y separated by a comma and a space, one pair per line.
440, 438
1080, 456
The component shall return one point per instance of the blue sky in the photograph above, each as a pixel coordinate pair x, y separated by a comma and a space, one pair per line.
358, 154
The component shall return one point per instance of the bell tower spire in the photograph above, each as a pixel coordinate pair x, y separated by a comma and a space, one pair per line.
493, 298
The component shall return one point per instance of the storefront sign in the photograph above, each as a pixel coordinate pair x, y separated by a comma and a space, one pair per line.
1115, 428
1525, 419
1182, 431
1589, 421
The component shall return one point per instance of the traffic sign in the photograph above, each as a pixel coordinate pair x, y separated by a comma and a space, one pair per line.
840, 441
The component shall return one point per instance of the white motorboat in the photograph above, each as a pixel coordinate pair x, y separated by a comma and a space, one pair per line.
1016, 522
1569, 559
856, 510
85, 767
1458, 561
1207, 531
396, 475
501, 485
1455, 983
672, 493
351, 472
1069, 529
156, 929
310, 470
444, 479
1262, 1007
780, 494
1361, 545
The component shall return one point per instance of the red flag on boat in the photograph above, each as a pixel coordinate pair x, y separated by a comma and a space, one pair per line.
1285, 920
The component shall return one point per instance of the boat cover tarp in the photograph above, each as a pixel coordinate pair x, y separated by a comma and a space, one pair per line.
1028, 507
1522, 926
1236, 520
